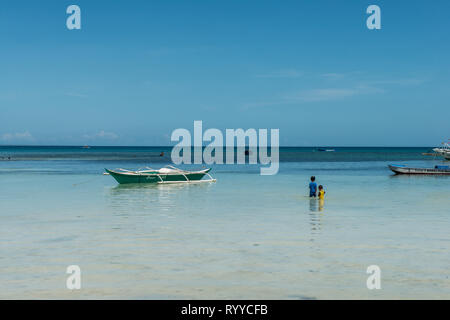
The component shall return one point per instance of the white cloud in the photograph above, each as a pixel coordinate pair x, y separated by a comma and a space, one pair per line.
332, 87
107, 135
17, 137
285, 73
164, 51
77, 95
333, 76
102, 135
400, 82
317, 95
350, 75
360, 77
326, 94
322, 94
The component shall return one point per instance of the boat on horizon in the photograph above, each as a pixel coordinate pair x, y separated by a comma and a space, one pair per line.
168, 174
402, 169
325, 150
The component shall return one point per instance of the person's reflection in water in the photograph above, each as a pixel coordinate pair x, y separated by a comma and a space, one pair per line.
321, 204
314, 220
313, 204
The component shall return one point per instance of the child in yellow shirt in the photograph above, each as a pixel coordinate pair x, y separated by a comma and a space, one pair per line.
321, 192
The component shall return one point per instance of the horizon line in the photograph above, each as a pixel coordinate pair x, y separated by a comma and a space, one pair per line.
169, 146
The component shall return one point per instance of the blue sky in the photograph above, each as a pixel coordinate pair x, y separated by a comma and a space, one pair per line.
137, 70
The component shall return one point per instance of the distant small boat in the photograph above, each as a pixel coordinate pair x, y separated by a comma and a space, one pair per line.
325, 150
401, 169
85, 147
168, 174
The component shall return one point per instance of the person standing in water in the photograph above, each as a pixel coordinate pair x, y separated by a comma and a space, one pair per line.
321, 198
321, 193
313, 187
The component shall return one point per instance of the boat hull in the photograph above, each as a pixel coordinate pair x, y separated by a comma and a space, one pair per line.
406, 170
126, 178
441, 150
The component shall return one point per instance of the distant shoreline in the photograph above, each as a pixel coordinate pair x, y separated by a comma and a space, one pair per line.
155, 146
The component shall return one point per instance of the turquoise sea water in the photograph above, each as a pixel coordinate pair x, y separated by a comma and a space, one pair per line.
246, 236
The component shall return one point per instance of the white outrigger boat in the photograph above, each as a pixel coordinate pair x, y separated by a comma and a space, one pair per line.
444, 150
168, 174
438, 170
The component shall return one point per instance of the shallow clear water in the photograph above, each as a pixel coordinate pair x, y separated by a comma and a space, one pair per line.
245, 236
